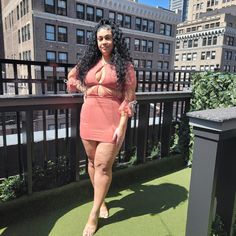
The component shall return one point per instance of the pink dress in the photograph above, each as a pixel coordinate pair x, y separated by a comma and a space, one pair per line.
104, 101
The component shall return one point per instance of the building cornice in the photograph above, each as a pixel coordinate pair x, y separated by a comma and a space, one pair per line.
217, 32
48, 16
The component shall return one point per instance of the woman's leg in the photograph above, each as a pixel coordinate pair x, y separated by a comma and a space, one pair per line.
103, 161
90, 149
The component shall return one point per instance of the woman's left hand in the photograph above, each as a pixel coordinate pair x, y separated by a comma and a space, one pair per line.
118, 136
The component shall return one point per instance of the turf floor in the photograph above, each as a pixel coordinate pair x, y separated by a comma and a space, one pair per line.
157, 207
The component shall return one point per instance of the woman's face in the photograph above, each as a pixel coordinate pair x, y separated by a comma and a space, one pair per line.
105, 41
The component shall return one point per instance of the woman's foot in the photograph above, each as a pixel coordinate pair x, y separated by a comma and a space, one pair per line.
91, 226
104, 213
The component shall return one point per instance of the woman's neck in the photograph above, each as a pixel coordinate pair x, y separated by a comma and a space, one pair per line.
106, 60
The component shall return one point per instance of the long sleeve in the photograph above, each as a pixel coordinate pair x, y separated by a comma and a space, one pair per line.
73, 84
129, 98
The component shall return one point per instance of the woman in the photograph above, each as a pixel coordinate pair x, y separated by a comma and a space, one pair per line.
107, 78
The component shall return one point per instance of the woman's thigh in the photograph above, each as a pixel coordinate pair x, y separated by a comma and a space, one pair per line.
90, 148
106, 154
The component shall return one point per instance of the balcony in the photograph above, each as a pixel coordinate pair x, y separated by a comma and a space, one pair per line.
40, 143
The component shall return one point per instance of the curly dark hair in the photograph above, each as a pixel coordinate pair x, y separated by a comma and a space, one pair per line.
120, 56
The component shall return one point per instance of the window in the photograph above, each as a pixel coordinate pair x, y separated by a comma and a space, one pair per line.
80, 11
145, 25
195, 43
50, 32
138, 23
80, 36
18, 12
161, 48
159, 65
185, 43
149, 64
189, 57
112, 15
127, 22
167, 48
88, 36
162, 28
51, 126
150, 46
61, 8
62, 57
151, 26
28, 30
136, 45
214, 40
213, 54
127, 41
120, 19
176, 57
144, 45
177, 45
62, 34
190, 43
49, 6
136, 63
90, 13
165, 65
184, 57
50, 56
168, 30
229, 40
19, 38
204, 40
194, 56
203, 54
99, 14
142, 64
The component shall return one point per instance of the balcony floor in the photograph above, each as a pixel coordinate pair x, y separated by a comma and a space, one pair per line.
157, 207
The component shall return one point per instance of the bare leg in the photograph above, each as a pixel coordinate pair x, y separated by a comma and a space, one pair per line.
90, 148
103, 161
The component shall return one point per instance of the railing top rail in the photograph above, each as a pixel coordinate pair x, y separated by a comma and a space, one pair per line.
21, 101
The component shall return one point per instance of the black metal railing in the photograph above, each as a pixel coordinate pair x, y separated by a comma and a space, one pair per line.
46, 135
34, 77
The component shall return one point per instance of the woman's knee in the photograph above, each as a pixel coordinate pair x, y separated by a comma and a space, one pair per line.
103, 168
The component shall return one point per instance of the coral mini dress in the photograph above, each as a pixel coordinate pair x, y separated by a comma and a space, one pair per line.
105, 101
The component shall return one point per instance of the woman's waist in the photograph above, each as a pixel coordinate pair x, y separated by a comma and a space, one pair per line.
103, 92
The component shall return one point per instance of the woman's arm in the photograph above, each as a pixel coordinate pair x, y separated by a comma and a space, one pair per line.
73, 84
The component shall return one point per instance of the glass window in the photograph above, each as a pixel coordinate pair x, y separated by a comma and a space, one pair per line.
176, 57
112, 15
184, 57
99, 14
190, 43
145, 25
127, 41
168, 30
213, 54
50, 32
150, 46
136, 63
142, 64
194, 56
203, 54
80, 11
61, 8
18, 12
136, 45
127, 22
149, 64
204, 40
208, 55
167, 48
165, 65
195, 43
138, 23
62, 57
62, 34
120, 19
151, 26
214, 40
161, 48
159, 65
51, 56
19, 38
162, 28
49, 6
177, 44
88, 36
144, 45
80, 36
90, 13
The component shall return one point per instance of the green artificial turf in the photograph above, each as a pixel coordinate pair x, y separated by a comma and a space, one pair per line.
157, 207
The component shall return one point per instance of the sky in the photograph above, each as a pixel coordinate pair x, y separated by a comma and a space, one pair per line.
154, 3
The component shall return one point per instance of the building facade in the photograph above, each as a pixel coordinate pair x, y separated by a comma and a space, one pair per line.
208, 43
1, 35
197, 7
49, 30
180, 7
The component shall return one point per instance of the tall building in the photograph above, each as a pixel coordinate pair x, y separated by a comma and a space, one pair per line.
209, 42
1, 35
180, 7
58, 31
197, 7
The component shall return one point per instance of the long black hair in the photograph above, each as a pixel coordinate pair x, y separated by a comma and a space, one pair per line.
120, 56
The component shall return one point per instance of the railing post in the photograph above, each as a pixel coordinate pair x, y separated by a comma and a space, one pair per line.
27, 130
213, 177
128, 143
166, 128
143, 122
76, 144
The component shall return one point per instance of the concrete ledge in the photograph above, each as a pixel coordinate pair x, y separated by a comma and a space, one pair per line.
78, 193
